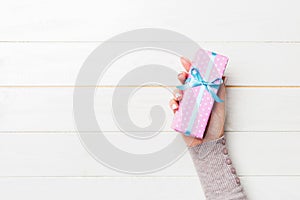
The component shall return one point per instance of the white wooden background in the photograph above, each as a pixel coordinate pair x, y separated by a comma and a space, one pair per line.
43, 45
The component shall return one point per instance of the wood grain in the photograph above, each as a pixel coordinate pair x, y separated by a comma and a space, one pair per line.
98, 20
62, 155
58, 64
43, 46
51, 109
259, 188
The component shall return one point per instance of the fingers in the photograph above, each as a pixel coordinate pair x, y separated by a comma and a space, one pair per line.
173, 105
186, 63
222, 92
182, 76
222, 89
177, 94
224, 79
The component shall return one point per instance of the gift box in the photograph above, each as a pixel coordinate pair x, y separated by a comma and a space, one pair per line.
199, 93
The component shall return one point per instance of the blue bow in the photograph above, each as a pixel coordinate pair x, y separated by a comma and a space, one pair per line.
196, 80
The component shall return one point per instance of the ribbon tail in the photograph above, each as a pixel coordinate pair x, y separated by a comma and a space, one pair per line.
185, 85
215, 96
182, 87
218, 80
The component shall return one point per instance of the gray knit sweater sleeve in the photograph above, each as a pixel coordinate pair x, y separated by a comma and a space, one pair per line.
217, 175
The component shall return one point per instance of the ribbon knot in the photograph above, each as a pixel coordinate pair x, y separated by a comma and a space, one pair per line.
196, 80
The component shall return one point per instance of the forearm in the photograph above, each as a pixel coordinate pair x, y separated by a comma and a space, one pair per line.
217, 175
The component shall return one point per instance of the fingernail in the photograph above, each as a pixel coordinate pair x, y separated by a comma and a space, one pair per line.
177, 95
180, 73
185, 59
174, 106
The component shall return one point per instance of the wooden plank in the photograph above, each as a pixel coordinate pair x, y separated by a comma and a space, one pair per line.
51, 109
48, 155
201, 20
41, 154
259, 188
48, 64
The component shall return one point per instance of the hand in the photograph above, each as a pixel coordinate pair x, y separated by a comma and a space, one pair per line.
215, 126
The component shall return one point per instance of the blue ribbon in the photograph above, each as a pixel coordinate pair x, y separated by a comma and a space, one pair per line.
197, 80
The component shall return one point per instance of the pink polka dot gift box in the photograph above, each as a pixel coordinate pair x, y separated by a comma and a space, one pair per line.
199, 93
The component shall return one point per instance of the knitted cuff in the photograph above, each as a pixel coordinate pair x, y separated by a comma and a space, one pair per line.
217, 175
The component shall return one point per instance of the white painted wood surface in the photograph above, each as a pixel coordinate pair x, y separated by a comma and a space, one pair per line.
62, 155
91, 20
51, 108
268, 64
138, 188
43, 45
